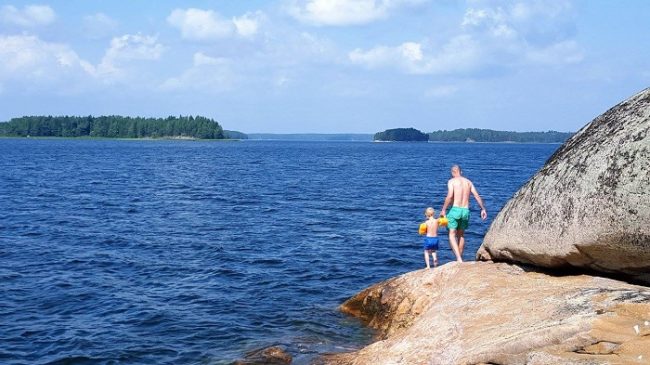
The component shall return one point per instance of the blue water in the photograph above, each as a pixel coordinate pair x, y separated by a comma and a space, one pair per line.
175, 252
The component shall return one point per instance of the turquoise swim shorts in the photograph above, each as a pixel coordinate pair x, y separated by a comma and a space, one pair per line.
458, 218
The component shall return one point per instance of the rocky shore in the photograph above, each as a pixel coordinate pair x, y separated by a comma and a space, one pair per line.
563, 273
497, 313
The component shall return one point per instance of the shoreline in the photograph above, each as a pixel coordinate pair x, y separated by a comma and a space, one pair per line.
420, 319
262, 140
87, 138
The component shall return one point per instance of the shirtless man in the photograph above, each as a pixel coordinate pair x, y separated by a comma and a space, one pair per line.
458, 189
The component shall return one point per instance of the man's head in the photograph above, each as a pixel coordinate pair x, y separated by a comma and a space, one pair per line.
456, 171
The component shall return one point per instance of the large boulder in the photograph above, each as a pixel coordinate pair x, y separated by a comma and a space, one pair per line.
497, 313
589, 206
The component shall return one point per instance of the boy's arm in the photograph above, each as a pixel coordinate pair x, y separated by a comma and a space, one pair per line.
450, 195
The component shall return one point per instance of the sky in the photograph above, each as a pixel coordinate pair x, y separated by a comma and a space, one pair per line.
326, 66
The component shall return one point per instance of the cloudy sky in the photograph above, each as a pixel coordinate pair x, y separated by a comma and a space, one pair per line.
326, 65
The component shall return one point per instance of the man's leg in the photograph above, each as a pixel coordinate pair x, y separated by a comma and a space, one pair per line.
460, 233
454, 245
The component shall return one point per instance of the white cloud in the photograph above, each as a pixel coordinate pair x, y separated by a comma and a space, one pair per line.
461, 53
515, 35
208, 25
30, 63
537, 32
26, 58
406, 54
248, 24
478, 17
197, 24
201, 59
207, 74
344, 12
126, 49
489, 21
134, 47
28, 16
98, 25
539, 22
527, 11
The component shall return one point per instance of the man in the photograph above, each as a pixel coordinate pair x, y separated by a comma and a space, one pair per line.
458, 189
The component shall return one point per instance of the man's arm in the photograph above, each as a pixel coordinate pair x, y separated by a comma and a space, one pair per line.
480, 202
448, 199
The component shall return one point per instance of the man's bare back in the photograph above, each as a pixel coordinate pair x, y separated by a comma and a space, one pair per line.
461, 188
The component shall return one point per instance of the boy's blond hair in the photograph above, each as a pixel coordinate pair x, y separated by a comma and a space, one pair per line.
429, 212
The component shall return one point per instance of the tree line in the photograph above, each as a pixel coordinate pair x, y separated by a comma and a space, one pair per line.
401, 134
234, 135
112, 126
471, 135
489, 135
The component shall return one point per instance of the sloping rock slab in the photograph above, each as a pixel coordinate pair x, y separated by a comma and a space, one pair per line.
496, 313
589, 206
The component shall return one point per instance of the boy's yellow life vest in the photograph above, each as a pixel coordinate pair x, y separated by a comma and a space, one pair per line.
442, 222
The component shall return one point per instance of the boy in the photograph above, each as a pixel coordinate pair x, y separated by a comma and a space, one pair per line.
431, 239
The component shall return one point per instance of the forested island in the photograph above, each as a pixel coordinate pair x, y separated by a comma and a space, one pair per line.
113, 126
401, 135
489, 135
472, 135
234, 135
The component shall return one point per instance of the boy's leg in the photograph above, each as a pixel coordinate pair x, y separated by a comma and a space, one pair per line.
454, 245
435, 258
426, 258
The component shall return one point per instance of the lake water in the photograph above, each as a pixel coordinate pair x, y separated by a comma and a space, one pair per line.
177, 252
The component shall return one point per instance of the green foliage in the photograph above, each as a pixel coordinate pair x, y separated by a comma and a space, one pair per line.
488, 135
234, 135
401, 134
112, 126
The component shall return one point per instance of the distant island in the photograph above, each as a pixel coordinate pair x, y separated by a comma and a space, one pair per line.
401, 135
472, 135
113, 126
489, 135
234, 135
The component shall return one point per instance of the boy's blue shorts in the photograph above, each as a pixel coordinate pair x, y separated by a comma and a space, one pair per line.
430, 243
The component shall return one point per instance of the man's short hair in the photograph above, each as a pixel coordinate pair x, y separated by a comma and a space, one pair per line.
456, 167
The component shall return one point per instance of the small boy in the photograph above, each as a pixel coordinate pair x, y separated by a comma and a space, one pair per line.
431, 238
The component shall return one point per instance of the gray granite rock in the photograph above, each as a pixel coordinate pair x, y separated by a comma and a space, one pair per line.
589, 206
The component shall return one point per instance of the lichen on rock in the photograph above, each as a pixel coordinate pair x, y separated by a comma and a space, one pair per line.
589, 206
